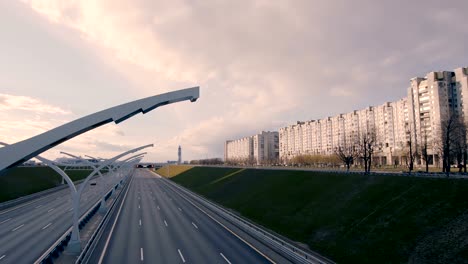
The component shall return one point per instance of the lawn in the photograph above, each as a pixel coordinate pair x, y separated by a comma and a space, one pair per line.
169, 171
21, 181
349, 218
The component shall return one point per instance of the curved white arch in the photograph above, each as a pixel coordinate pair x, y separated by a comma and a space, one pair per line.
22, 151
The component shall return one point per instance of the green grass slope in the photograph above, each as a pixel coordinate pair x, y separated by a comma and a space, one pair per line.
21, 181
349, 218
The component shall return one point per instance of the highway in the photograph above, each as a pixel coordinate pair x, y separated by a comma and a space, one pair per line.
30, 228
153, 224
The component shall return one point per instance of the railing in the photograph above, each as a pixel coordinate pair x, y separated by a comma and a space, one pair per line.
54, 251
280, 245
97, 234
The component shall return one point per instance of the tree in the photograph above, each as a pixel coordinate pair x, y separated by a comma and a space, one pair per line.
412, 152
346, 155
365, 148
425, 151
460, 144
450, 136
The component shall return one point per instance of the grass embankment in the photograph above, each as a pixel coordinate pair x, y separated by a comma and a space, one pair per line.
349, 218
170, 171
21, 181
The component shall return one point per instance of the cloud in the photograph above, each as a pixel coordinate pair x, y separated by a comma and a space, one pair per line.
10, 102
24, 117
263, 63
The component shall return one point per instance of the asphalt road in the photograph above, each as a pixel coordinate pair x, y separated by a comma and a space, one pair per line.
29, 229
155, 225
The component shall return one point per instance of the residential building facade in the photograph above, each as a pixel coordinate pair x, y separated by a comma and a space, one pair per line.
262, 148
417, 117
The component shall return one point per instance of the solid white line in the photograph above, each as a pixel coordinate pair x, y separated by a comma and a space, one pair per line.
50, 210
140, 222
227, 260
194, 225
16, 228
113, 226
4, 221
165, 222
46, 226
2, 257
23, 205
181, 256
225, 227
141, 254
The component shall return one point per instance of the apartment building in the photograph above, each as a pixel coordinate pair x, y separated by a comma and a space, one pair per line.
259, 149
430, 100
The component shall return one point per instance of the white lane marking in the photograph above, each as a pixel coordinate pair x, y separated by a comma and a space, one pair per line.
16, 228
4, 221
225, 227
138, 206
2, 257
179, 209
181, 256
227, 260
50, 210
165, 222
140, 222
39, 206
101, 258
158, 208
23, 205
46, 226
194, 225
141, 254
71, 209
138, 197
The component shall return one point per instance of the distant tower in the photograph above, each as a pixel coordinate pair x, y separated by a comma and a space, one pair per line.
180, 155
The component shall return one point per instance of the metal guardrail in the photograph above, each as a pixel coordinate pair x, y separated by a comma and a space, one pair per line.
59, 245
30, 197
452, 175
97, 234
283, 247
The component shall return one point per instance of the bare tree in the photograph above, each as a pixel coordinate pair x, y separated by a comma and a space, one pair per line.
346, 154
460, 144
449, 138
425, 151
365, 149
412, 152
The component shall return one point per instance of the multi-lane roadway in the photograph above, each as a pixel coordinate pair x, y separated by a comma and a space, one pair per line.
29, 229
154, 224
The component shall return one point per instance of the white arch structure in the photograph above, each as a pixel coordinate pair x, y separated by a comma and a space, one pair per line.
22, 151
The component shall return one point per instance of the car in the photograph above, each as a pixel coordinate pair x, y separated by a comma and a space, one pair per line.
93, 183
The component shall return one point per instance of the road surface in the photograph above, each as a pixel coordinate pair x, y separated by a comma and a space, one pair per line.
29, 229
155, 225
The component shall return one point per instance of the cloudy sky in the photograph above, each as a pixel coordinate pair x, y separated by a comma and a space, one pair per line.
261, 64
